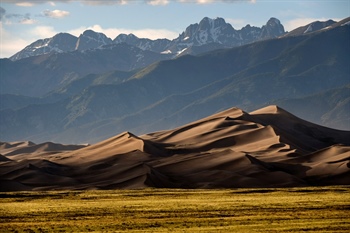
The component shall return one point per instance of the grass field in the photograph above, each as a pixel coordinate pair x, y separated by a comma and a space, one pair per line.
323, 209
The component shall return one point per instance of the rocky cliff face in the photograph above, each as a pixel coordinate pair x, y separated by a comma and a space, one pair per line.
272, 29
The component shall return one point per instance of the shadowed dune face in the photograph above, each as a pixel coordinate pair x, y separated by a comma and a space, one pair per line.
265, 148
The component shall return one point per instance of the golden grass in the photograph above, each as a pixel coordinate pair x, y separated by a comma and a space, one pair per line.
323, 209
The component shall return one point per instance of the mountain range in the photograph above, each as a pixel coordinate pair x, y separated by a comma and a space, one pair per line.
86, 89
53, 62
208, 31
268, 147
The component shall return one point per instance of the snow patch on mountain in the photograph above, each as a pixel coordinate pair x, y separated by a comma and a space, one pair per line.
346, 24
309, 29
181, 51
166, 52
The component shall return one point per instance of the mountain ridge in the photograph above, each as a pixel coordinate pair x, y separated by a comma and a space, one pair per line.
205, 32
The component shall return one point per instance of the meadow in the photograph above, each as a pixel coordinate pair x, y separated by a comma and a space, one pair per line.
311, 209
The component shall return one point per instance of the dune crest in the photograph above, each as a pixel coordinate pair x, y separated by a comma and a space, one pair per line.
271, 109
268, 147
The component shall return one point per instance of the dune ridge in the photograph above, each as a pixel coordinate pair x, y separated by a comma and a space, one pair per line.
268, 147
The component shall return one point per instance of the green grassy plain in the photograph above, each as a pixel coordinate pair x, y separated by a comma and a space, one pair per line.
322, 209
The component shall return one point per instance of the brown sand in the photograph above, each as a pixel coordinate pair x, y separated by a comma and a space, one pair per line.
265, 148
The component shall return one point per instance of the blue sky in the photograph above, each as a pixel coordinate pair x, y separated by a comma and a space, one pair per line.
23, 21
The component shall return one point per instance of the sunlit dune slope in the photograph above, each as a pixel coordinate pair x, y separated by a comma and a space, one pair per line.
265, 148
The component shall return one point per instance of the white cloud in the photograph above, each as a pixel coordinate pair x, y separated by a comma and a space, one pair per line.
157, 2
141, 33
25, 4
298, 22
162, 2
104, 2
124, 2
204, 1
215, 1
55, 13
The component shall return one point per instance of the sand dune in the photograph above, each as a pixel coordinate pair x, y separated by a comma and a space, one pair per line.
6, 145
25, 150
265, 148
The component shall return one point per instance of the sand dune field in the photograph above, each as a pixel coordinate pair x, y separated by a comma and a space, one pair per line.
265, 148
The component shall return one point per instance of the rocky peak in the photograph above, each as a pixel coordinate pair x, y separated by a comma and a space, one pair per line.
121, 38
158, 45
207, 31
273, 22
61, 42
190, 31
273, 28
208, 23
64, 41
90, 39
315, 26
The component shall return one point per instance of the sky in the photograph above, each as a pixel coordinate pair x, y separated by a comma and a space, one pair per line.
23, 22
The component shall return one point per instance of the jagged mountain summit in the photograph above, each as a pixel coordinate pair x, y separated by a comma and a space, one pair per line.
207, 35
272, 29
217, 31
214, 32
